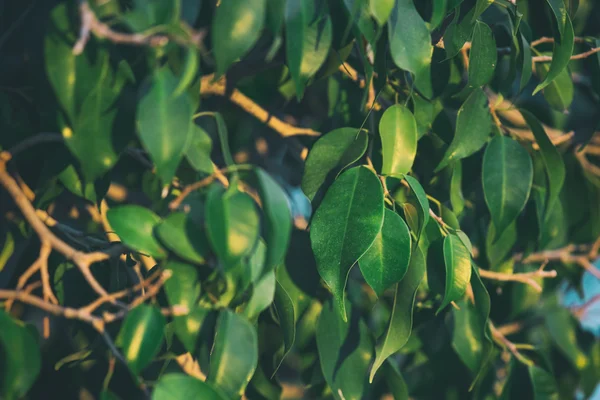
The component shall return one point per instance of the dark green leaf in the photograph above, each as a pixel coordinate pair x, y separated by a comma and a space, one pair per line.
482, 58
398, 130
234, 355
525, 60
401, 320
480, 7
438, 13
561, 327
507, 176
559, 93
344, 227
236, 26
141, 336
284, 306
183, 236
421, 197
544, 385
182, 386
456, 196
458, 34
386, 261
134, 225
458, 269
498, 247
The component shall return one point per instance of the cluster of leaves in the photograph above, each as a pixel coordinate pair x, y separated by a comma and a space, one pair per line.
426, 176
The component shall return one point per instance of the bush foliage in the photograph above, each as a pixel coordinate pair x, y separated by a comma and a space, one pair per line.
334, 199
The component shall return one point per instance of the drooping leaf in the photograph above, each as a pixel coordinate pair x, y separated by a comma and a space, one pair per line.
410, 43
184, 237
345, 368
386, 261
473, 126
401, 320
483, 55
141, 336
21, 361
235, 354
458, 269
398, 130
335, 150
236, 26
284, 306
134, 225
507, 176
164, 122
344, 227
182, 386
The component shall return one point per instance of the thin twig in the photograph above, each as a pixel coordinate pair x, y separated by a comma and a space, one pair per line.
527, 278
502, 340
568, 254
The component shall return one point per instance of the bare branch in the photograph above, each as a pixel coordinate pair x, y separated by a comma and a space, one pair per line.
568, 254
528, 278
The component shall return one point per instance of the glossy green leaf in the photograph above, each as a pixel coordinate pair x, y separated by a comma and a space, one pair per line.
398, 130
560, 12
236, 26
164, 122
262, 296
175, 386
134, 225
401, 320
473, 126
141, 336
183, 287
345, 369
410, 43
284, 306
74, 184
561, 52
458, 33
544, 384
234, 355
381, 10
456, 196
423, 202
553, 162
308, 39
344, 227
458, 269
21, 361
187, 327
386, 261
507, 176
232, 223
278, 224
180, 234
482, 57
199, 149
335, 150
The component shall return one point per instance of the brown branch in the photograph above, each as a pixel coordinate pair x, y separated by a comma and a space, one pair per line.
573, 57
568, 254
192, 188
546, 39
502, 340
528, 278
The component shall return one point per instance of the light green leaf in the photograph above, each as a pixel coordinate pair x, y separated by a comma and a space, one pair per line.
344, 227
187, 327
507, 176
458, 269
262, 296
284, 306
199, 149
235, 354
381, 10
182, 386
183, 287
232, 223
335, 150
398, 130
236, 26
189, 71
401, 320
410, 43
141, 336
134, 225
483, 55
21, 361
345, 373
164, 123
456, 196
386, 261
473, 126
183, 236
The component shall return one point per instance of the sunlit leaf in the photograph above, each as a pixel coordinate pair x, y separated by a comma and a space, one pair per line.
141, 336
398, 131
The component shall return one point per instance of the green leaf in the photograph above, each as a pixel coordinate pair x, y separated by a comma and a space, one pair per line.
561, 52
525, 61
456, 196
344, 227
183, 236
236, 26
21, 361
360, 16
345, 368
559, 93
199, 149
561, 327
398, 130
401, 320
381, 10
483, 55
483, 307
473, 126
262, 296
421, 197
410, 43
235, 354
189, 71
7, 249
335, 150
544, 384
284, 306
480, 7
458, 269
141, 336
308, 39
275, 15
458, 34
232, 223
498, 247
386, 261
73, 183
395, 381
188, 327
164, 123
183, 288
181, 386
278, 224
553, 162
134, 225
438, 13
507, 176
